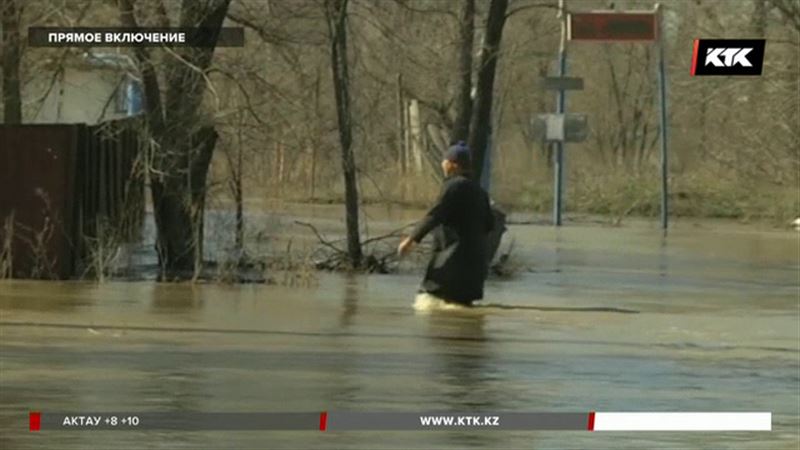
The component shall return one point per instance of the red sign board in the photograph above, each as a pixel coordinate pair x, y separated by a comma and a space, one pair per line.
612, 26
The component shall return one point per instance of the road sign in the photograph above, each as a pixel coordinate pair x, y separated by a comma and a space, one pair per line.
554, 127
563, 83
612, 26
561, 127
576, 127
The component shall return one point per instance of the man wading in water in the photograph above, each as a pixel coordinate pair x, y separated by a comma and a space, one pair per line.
460, 221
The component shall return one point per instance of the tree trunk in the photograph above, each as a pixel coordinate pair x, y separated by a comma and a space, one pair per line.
401, 128
415, 131
480, 124
238, 191
315, 141
463, 102
336, 12
203, 142
12, 97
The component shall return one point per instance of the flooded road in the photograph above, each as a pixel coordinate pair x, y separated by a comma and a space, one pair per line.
607, 319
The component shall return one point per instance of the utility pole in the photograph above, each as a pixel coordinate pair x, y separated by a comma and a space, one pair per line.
662, 88
560, 109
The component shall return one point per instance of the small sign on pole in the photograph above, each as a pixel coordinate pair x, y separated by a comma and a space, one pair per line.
576, 127
568, 127
554, 124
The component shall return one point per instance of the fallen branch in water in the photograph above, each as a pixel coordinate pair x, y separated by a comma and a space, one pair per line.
391, 234
331, 257
319, 236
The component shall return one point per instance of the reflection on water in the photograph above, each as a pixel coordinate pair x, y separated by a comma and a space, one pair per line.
59, 296
663, 269
176, 299
461, 366
610, 319
461, 351
349, 300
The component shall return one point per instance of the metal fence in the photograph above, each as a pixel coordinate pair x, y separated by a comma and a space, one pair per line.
65, 191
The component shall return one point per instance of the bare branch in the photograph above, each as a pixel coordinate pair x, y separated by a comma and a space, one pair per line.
551, 5
790, 9
322, 240
405, 4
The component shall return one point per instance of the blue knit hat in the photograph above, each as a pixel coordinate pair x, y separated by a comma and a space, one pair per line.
459, 154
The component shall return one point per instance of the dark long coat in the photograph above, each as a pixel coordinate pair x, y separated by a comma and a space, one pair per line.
460, 221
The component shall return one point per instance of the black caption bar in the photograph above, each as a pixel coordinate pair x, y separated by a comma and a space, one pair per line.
135, 37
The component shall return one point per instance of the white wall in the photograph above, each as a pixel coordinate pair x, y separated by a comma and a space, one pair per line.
79, 96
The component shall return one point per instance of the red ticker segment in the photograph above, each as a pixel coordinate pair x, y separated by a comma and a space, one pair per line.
612, 26
35, 421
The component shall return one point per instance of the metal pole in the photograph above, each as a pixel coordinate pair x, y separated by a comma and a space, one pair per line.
662, 87
560, 109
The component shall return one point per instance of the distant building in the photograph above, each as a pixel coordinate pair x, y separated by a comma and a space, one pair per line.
93, 87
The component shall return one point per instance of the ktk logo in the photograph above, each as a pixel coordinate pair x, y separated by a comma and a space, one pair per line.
733, 56
728, 56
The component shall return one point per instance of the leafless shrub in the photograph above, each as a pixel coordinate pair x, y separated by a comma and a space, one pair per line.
42, 265
292, 268
102, 251
6, 252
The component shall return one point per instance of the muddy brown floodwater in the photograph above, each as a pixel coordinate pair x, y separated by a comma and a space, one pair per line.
608, 319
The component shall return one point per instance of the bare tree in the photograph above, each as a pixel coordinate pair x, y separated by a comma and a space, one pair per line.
183, 144
336, 14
